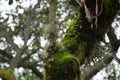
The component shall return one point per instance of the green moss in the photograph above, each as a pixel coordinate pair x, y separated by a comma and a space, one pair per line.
64, 67
70, 40
79, 37
62, 59
6, 74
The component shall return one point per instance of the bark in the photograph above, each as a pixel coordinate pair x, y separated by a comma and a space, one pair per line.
27, 33
84, 33
60, 65
89, 33
15, 62
81, 38
93, 70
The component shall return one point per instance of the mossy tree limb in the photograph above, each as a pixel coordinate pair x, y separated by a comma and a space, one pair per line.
60, 65
81, 38
107, 59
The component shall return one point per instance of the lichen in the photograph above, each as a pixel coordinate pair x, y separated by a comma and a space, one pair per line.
6, 74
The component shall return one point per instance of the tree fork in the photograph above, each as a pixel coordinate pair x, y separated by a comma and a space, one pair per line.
80, 40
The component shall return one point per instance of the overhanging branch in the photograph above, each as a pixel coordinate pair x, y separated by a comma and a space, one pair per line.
107, 58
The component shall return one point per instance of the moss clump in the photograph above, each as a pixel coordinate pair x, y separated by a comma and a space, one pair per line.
70, 40
64, 66
62, 59
80, 37
6, 75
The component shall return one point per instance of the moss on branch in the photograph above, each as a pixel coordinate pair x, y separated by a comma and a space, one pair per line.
62, 66
6, 74
81, 38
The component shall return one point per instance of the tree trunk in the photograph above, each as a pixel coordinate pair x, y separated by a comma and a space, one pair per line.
86, 30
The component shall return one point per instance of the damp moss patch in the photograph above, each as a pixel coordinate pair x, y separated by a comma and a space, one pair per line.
63, 67
61, 60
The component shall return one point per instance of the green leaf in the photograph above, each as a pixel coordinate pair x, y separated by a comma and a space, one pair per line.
10, 2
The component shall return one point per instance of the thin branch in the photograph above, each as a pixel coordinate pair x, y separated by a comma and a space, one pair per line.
106, 58
79, 2
29, 64
27, 34
8, 37
15, 61
89, 73
117, 59
30, 22
37, 73
29, 55
3, 59
6, 54
113, 39
10, 41
118, 42
37, 5
32, 66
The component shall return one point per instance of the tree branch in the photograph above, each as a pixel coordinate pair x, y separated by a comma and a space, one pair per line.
3, 53
113, 39
91, 71
37, 73
27, 34
107, 58
10, 41
32, 66
117, 59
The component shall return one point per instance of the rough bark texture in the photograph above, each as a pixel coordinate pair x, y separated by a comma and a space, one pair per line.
107, 58
60, 65
82, 35
81, 39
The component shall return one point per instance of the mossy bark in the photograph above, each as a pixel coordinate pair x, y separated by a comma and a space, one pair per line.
59, 65
6, 75
80, 40
82, 35
62, 66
